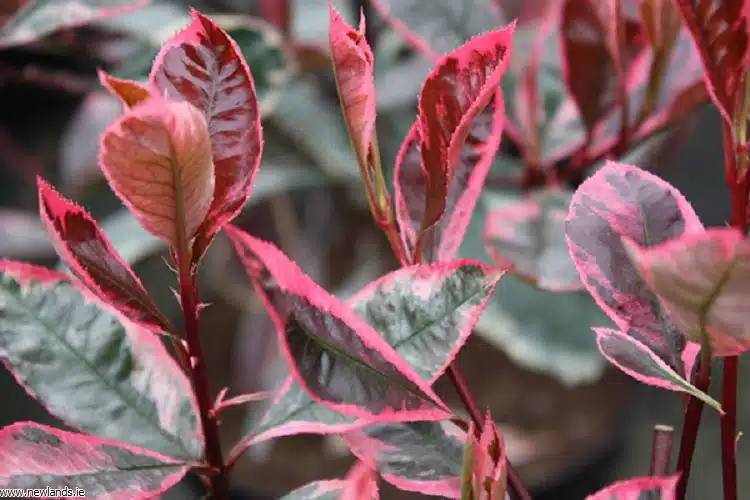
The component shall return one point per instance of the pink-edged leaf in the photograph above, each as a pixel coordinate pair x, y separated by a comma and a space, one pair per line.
204, 66
528, 238
318, 490
590, 56
334, 354
424, 457
719, 29
157, 159
637, 360
623, 200
39, 18
459, 88
86, 251
656, 488
484, 473
361, 483
130, 93
37, 456
242, 399
713, 297
427, 312
353, 67
100, 374
464, 186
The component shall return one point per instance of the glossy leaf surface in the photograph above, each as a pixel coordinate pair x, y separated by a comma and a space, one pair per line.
713, 297
202, 65
528, 237
460, 87
394, 447
39, 18
157, 158
99, 375
89, 255
337, 357
638, 360
624, 201
37, 456
656, 488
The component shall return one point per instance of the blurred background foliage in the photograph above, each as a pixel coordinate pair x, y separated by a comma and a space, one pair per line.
571, 423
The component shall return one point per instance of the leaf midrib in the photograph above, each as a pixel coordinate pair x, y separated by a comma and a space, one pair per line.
114, 388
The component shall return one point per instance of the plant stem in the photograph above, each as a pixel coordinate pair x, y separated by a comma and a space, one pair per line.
692, 423
199, 377
661, 450
517, 487
739, 193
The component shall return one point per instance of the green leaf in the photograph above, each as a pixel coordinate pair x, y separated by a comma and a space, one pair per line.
39, 18
91, 370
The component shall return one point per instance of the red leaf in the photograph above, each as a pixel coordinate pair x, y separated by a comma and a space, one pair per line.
719, 30
661, 22
460, 87
465, 184
157, 159
89, 255
361, 483
38, 456
355, 80
712, 298
204, 66
128, 91
634, 489
334, 354
623, 200
485, 469
590, 51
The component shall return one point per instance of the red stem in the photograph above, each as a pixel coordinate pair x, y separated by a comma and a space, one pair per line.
739, 193
517, 487
661, 450
692, 423
199, 377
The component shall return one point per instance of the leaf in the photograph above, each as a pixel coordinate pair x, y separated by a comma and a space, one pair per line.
639, 361
416, 456
41, 457
86, 251
661, 22
318, 490
439, 26
337, 357
719, 30
623, 200
544, 332
22, 236
98, 374
202, 65
591, 71
634, 489
38, 18
361, 483
711, 299
129, 92
460, 87
528, 237
157, 158
353, 68
427, 312
485, 471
